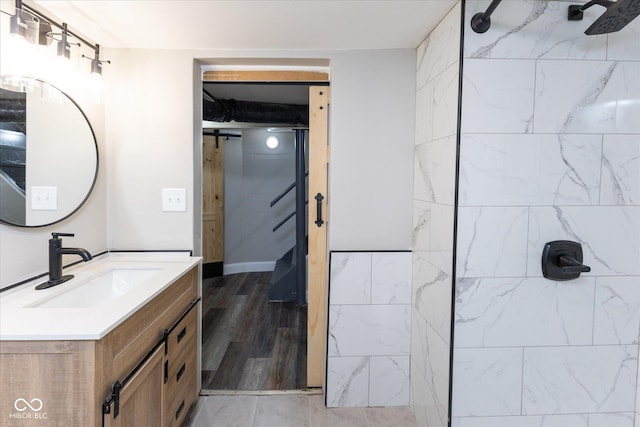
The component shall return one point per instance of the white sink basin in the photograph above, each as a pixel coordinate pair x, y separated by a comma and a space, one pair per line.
105, 287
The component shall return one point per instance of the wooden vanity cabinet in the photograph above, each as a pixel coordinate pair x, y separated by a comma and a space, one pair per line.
153, 353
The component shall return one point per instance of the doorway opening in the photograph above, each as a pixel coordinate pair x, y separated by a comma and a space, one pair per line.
254, 336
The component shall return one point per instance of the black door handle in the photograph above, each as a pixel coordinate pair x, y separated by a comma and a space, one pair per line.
319, 198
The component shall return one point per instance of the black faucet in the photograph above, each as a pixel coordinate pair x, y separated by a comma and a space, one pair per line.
55, 260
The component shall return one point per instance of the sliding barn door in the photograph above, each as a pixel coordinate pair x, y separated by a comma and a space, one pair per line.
317, 280
212, 205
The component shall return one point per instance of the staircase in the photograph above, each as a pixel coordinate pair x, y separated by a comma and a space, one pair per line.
283, 280
289, 278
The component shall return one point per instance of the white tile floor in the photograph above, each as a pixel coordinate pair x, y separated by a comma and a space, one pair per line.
291, 410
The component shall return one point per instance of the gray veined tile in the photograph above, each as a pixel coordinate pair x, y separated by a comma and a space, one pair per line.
593, 226
375, 330
435, 171
424, 114
621, 170
432, 294
623, 45
391, 278
581, 379
526, 170
523, 312
427, 408
617, 310
350, 278
498, 96
486, 381
587, 97
389, 381
574, 420
620, 419
492, 241
347, 381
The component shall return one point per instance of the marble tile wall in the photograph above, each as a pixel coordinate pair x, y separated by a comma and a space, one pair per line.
437, 101
550, 149
369, 329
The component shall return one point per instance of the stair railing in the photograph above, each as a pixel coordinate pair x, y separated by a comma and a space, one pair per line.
286, 191
287, 218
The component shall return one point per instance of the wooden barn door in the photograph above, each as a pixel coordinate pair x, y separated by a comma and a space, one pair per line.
212, 205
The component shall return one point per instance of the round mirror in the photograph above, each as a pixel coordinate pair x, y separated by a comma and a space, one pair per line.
48, 154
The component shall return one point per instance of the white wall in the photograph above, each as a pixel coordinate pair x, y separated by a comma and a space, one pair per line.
253, 176
150, 110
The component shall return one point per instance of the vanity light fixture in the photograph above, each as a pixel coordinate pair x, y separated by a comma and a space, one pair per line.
24, 24
64, 49
35, 27
96, 63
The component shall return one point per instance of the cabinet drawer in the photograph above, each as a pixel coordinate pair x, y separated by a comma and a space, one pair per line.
182, 334
179, 370
180, 390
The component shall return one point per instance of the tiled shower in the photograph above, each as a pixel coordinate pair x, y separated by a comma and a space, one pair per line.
549, 150
548, 126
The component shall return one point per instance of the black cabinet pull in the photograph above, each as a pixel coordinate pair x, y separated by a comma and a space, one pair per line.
319, 198
180, 408
166, 371
180, 372
182, 333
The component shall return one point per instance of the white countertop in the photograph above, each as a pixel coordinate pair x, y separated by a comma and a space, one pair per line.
21, 318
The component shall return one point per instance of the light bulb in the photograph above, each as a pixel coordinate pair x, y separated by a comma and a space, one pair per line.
272, 142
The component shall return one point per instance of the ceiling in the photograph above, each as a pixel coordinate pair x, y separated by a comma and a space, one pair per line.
251, 25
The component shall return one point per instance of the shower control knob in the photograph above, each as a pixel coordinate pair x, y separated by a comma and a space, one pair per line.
562, 260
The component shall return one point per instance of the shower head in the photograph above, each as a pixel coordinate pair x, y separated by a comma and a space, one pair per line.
616, 17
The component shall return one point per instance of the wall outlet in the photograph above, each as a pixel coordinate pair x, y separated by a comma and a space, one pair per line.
174, 199
44, 198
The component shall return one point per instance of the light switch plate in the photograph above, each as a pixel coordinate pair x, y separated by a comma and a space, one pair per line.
44, 198
174, 199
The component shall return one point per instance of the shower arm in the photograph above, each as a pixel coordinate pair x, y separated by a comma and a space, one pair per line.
576, 12
481, 21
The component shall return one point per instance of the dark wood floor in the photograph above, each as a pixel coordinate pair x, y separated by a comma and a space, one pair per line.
249, 343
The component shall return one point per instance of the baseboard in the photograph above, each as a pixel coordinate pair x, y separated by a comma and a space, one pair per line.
247, 267
211, 269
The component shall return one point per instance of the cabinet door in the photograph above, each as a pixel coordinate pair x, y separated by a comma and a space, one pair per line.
141, 397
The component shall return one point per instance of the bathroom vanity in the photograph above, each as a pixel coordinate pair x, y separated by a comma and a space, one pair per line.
116, 345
